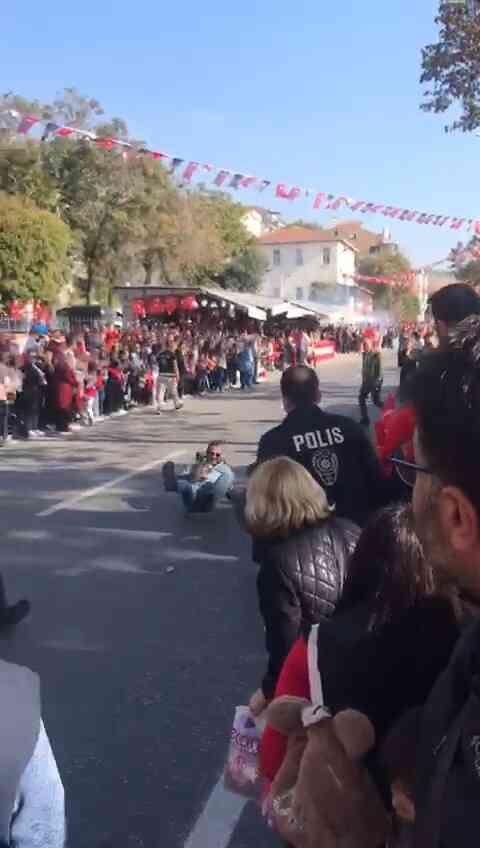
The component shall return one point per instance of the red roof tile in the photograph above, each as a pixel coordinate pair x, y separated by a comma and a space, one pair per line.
300, 235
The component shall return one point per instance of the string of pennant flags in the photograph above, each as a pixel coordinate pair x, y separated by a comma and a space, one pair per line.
234, 179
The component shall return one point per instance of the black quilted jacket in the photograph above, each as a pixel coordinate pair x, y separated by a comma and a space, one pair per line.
299, 583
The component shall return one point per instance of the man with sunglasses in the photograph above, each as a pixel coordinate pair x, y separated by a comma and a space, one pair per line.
209, 480
445, 473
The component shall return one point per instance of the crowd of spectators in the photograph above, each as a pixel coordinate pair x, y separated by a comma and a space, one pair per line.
56, 383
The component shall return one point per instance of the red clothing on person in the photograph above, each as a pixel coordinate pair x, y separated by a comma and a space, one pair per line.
293, 680
63, 383
111, 339
115, 374
393, 430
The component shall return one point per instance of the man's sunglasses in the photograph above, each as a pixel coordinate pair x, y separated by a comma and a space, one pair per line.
214, 454
407, 471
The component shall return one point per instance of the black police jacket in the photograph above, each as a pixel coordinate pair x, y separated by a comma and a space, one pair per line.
337, 453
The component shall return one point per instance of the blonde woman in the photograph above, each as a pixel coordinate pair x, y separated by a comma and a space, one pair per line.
303, 552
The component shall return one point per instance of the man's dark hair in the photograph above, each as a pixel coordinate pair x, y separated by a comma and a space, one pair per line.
299, 385
446, 398
454, 303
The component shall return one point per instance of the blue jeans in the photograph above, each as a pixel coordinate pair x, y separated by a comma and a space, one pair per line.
246, 379
202, 495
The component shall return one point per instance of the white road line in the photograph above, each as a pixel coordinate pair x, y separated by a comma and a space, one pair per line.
67, 503
218, 819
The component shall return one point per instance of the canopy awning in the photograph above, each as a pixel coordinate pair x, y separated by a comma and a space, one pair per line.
241, 300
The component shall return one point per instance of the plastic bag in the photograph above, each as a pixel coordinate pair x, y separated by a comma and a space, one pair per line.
241, 775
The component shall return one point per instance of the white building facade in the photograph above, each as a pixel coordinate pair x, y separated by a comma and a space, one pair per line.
301, 263
258, 221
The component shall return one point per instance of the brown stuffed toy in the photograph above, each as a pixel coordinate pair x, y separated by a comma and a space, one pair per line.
323, 797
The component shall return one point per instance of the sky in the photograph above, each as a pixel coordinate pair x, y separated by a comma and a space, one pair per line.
315, 94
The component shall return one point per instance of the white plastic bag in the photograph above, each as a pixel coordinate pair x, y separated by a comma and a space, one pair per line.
241, 775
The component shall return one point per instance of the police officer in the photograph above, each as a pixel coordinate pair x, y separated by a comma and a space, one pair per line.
333, 448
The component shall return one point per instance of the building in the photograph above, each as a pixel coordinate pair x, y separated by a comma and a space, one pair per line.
258, 221
318, 271
301, 260
366, 242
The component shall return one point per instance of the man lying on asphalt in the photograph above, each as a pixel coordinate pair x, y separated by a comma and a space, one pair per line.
333, 448
209, 480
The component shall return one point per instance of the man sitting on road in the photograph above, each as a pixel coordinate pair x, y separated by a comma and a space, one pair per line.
333, 448
209, 480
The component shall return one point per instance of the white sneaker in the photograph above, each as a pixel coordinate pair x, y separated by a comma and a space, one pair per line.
32, 434
74, 428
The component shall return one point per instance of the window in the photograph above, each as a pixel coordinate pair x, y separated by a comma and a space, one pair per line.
326, 256
299, 256
299, 294
276, 292
276, 256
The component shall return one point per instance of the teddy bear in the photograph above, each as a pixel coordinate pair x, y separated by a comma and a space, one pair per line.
323, 796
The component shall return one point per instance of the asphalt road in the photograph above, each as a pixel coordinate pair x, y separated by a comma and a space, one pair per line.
144, 625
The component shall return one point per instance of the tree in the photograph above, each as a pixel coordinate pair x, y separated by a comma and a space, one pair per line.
74, 109
451, 67
383, 264
406, 306
22, 172
34, 251
97, 190
245, 271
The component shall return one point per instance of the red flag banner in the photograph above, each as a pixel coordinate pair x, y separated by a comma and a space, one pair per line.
281, 191
239, 180
104, 143
189, 171
247, 182
64, 131
221, 177
294, 193
26, 124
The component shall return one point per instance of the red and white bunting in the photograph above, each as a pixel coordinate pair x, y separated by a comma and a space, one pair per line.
237, 179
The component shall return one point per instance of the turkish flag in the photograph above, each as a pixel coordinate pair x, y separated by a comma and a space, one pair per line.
26, 124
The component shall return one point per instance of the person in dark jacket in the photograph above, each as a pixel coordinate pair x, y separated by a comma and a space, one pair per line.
446, 503
303, 552
33, 385
372, 378
333, 448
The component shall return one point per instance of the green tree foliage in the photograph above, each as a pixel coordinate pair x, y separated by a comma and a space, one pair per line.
34, 251
451, 66
406, 307
75, 110
382, 264
245, 271
22, 172
465, 264
127, 217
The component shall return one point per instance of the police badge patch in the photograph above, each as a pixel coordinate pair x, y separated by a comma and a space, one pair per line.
325, 465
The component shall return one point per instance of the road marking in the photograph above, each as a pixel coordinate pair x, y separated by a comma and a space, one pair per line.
67, 503
218, 819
